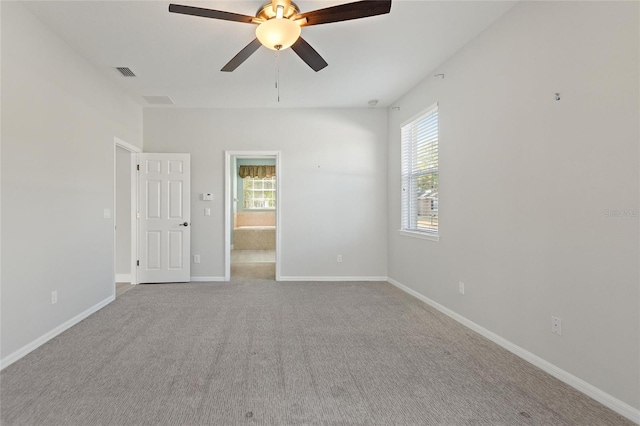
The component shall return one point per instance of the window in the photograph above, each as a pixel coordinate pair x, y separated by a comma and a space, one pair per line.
420, 174
259, 193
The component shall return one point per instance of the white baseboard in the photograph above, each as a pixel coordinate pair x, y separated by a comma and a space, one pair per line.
290, 278
205, 279
599, 395
15, 356
123, 278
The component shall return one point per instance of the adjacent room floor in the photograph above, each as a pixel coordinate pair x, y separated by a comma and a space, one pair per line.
258, 264
122, 288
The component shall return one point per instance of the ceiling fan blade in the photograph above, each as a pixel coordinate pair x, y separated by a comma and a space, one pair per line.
309, 55
242, 56
210, 13
345, 12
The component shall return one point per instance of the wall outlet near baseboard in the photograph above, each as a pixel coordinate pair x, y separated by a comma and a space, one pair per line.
339, 258
556, 325
196, 258
54, 297
461, 287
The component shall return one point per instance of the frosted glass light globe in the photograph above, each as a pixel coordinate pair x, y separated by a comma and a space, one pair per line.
278, 34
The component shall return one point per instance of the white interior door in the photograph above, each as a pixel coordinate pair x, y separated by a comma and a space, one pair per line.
165, 218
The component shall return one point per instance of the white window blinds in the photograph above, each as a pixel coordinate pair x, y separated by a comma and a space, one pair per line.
420, 172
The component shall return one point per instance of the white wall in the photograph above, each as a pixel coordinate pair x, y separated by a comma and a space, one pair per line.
525, 182
333, 177
123, 214
59, 120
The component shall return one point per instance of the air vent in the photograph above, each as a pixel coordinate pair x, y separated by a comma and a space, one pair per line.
159, 100
126, 71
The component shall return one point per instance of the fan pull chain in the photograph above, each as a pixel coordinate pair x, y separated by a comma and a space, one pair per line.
278, 73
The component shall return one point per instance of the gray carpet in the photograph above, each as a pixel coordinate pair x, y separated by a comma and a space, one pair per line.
257, 352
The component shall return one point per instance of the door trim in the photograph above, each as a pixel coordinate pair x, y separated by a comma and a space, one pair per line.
134, 151
228, 204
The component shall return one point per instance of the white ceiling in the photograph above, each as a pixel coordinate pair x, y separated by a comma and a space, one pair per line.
180, 56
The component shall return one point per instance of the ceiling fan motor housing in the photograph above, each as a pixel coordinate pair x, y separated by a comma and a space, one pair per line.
266, 11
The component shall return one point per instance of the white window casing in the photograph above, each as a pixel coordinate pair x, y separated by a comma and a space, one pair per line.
259, 193
419, 206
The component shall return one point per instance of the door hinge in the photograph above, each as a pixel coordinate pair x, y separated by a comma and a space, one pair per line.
137, 263
138, 167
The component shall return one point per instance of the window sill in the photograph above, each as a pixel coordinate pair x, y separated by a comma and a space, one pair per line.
422, 235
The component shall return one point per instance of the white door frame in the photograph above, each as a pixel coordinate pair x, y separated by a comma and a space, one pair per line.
134, 151
228, 204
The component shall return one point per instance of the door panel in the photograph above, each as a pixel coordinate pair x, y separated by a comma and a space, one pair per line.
175, 199
165, 215
153, 199
153, 250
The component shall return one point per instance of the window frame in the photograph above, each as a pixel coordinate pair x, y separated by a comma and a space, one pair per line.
263, 190
409, 174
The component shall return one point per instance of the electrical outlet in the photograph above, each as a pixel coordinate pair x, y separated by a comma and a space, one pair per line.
556, 325
339, 258
461, 287
207, 211
196, 258
54, 297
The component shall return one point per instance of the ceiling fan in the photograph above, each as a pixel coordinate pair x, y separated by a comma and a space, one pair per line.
279, 25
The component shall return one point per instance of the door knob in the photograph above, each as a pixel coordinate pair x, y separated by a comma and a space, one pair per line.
184, 224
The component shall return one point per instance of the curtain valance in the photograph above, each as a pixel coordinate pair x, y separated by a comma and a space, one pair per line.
260, 172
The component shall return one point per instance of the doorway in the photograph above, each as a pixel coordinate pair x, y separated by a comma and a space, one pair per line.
125, 223
252, 213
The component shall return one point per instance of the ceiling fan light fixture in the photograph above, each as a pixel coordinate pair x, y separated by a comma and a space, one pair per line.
279, 23
278, 34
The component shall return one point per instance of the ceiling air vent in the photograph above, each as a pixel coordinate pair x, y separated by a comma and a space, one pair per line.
126, 71
159, 100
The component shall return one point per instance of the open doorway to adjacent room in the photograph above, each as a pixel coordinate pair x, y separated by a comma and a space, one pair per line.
125, 225
252, 204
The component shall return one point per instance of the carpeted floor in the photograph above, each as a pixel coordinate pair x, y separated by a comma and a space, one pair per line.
259, 352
